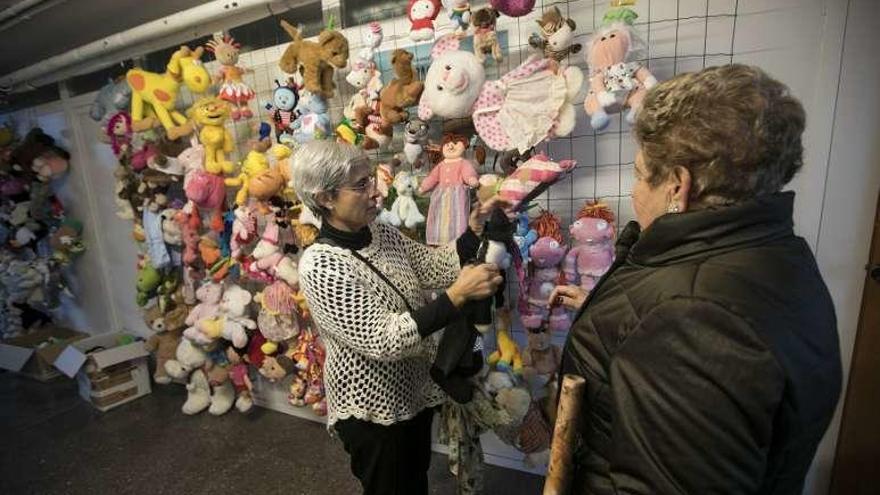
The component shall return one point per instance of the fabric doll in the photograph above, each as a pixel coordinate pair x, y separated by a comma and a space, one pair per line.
513, 8
421, 15
209, 296
404, 210
315, 60
232, 89
240, 378
459, 14
278, 319
546, 254
485, 36
557, 36
526, 106
532, 178
119, 132
270, 258
593, 252
617, 79
449, 180
371, 39
283, 107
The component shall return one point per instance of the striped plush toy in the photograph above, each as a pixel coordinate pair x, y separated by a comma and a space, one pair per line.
531, 179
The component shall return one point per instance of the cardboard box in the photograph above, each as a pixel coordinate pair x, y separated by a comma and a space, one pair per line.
108, 374
21, 354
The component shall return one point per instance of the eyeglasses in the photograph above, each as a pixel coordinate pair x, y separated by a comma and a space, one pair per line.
368, 183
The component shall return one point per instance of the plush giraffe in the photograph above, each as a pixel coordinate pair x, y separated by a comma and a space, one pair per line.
156, 94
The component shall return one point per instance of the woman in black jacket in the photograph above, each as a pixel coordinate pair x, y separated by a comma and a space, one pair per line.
710, 347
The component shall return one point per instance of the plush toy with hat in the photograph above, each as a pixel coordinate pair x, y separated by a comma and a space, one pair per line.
315, 61
421, 15
556, 39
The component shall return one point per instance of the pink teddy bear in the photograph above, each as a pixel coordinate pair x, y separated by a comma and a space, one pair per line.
547, 254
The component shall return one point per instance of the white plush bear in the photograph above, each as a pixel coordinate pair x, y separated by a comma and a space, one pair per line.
452, 85
405, 210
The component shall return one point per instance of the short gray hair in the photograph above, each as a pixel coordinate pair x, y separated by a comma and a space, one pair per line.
322, 166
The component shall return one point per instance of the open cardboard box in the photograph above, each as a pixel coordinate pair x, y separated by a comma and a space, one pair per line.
108, 374
21, 354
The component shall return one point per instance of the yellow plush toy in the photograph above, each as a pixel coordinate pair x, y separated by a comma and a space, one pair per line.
211, 113
507, 354
254, 164
155, 94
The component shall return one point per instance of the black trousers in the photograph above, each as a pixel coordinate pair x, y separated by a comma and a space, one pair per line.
389, 460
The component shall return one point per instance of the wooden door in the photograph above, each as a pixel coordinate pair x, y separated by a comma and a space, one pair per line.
857, 463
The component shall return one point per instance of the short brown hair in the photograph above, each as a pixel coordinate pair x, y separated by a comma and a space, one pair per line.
736, 129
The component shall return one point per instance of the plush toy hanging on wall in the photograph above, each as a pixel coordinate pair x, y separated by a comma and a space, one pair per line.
485, 36
211, 113
617, 79
513, 8
592, 253
422, 14
546, 255
371, 39
449, 180
526, 106
285, 99
556, 40
115, 96
459, 14
233, 89
156, 94
315, 61
401, 92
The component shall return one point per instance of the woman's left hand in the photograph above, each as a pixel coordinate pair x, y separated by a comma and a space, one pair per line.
480, 213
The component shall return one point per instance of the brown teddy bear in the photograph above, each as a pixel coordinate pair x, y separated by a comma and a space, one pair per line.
168, 328
485, 37
315, 61
403, 91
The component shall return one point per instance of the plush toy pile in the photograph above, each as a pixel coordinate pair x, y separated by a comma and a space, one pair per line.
38, 241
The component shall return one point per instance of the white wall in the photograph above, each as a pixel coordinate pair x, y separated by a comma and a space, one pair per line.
821, 48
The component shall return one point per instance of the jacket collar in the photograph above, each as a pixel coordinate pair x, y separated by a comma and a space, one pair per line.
674, 238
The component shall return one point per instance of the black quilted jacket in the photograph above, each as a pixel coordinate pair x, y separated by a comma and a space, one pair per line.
711, 357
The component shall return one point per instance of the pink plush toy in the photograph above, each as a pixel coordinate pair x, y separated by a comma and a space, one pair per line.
244, 230
530, 179
593, 251
547, 254
533, 102
449, 180
617, 80
189, 221
513, 8
209, 296
119, 132
270, 259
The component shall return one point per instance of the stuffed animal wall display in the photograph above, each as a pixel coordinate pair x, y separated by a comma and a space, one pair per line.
232, 89
156, 94
421, 15
403, 91
485, 36
513, 8
556, 39
617, 79
315, 61
113, 97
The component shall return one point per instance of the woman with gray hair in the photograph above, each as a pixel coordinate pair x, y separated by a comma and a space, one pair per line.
710, 347
364, 283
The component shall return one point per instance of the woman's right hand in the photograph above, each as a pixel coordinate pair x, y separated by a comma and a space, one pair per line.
474, 282
569, 296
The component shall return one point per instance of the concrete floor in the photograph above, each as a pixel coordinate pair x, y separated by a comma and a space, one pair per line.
55, 443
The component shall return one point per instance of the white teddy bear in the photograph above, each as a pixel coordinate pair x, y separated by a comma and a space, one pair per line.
404, 210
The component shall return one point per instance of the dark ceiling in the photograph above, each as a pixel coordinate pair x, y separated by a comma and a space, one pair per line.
72, 23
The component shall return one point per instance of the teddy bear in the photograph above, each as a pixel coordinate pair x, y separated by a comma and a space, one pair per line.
315, 60
526, 106
557, 36
208, 295
270, 258
163, 342
540, 360
231, 323
403, 91
404, 210
421, 15
485, 36
187, 357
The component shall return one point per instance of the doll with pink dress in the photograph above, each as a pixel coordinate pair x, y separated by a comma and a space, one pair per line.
232, 88
448, 183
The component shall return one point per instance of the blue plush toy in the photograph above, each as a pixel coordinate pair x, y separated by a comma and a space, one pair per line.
524, 236
313, 121
113, 97
283, 107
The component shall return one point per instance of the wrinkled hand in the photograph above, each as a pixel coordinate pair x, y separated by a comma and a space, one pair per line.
569, 296
480, 212
474, 282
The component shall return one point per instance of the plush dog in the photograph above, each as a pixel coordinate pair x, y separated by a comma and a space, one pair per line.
485, 37
403, 91
315, 61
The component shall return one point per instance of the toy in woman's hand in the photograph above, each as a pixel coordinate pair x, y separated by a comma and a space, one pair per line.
556, 40
617, 79
507, 357
314, 121
403, 91
459, 14
157, 93
371, 39
283, 107
233, 89
592, 252
119, 133
546, 253
421, 15
114, 97
526, 106
485, 36
449, 180
404, 210
513, 8
211, 114
315, 60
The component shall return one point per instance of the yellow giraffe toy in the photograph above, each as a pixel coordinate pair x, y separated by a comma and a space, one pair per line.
211, 113
507, 356
156, 94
